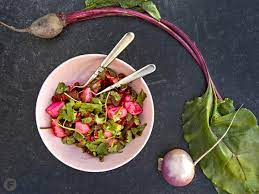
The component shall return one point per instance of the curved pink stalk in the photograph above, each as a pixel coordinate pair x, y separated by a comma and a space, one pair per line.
171, 29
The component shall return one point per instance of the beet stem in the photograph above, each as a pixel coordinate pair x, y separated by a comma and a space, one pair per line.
171, 29
13, 28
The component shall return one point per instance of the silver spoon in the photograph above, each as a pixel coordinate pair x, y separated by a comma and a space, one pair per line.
121, 45
137, 74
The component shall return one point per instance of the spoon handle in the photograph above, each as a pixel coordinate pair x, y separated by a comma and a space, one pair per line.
137, 74
120, 46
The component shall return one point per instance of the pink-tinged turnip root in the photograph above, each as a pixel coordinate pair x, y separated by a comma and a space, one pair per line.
51, 25
177, 166
53, 109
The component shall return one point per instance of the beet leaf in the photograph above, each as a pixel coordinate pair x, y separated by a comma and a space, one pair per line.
233, 165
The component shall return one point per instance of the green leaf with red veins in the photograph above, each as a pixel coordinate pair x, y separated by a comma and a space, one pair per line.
61, 88
141, 97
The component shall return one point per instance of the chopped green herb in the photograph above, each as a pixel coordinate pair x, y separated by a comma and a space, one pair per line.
89, 107
61, 88
136, 120
87, 120
138, 130
68, 140
141, 97
128, 136
99, 120
116, 96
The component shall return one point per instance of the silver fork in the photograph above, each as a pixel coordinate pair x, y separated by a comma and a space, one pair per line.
137, 74
120, 46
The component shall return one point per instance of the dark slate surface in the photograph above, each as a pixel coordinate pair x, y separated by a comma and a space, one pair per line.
225, 31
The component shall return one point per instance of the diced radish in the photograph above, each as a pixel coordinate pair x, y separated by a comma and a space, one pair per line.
53, 109
133, 108
112, 141
86, 95
107, 134
83, 128
58, 131
114, 110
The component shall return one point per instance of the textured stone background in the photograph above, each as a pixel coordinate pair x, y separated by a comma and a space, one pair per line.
225, 31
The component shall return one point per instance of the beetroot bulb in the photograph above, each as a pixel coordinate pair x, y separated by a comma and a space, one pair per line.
51, 25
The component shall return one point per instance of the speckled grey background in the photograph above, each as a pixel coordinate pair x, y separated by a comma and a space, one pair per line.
226, 31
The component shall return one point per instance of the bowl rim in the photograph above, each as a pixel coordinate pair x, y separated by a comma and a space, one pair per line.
125, 161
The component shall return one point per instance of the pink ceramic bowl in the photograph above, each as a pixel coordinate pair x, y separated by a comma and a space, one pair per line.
79, 69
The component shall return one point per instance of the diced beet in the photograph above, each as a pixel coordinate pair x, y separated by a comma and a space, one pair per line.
74, 94
96, 86
114, 110
86, 95
53, 109
83, 128
72, 86
107, 134
133, 108
58, 98
127, 98
111, 79
58, 131
112, 141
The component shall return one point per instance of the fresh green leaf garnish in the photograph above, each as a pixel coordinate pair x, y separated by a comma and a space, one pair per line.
99, 120
141, 97
67, 112
89, 107
61, 88
116, 148
136, 120
116, 96
128, 136
77, 105
87, 120
145, 5
96, 101
102, 149
116, 116
129, 117
68, 140
151, 9
138, 130
233, 164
